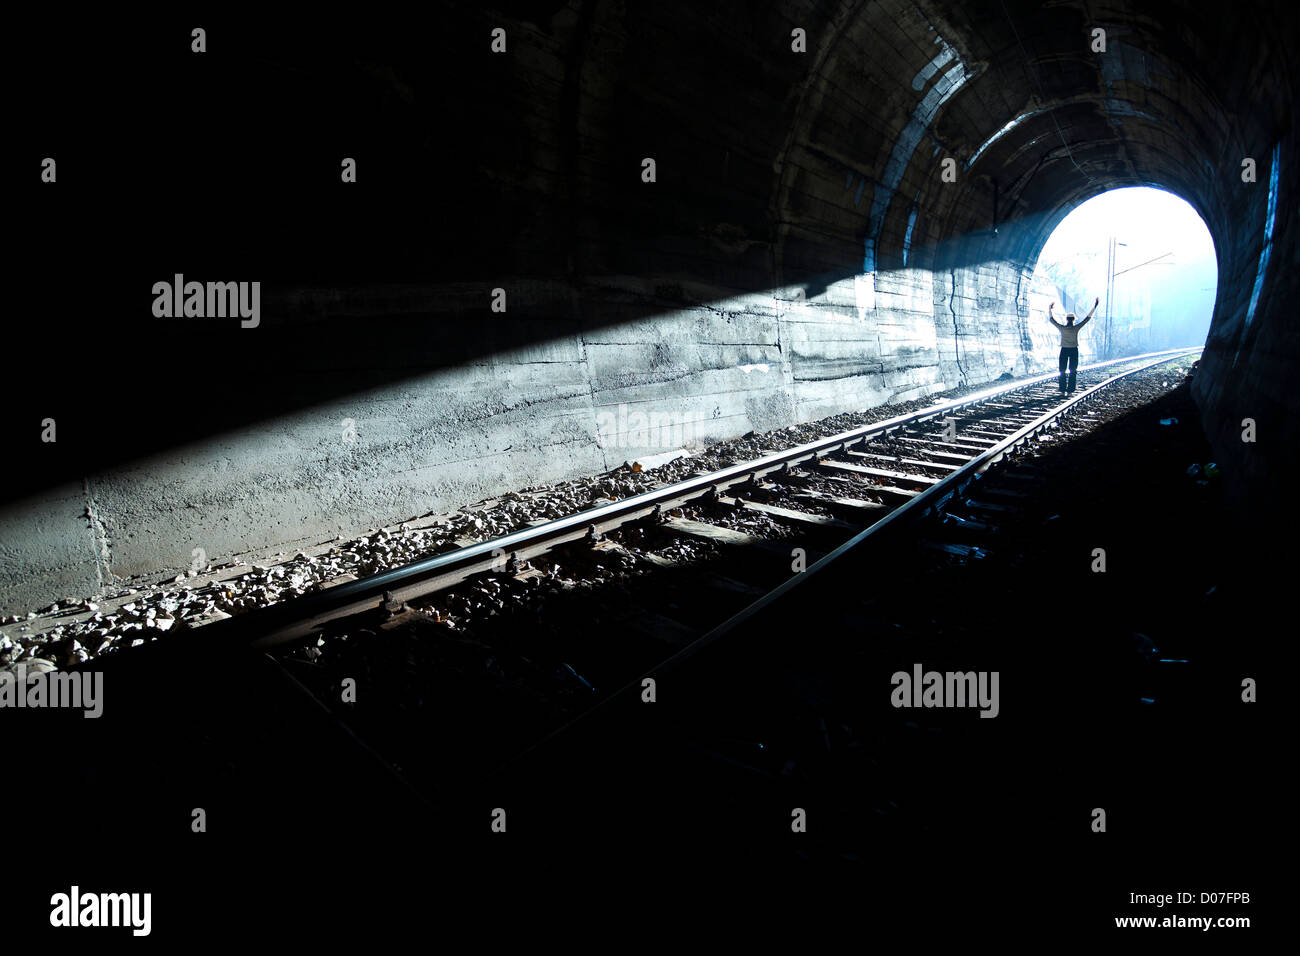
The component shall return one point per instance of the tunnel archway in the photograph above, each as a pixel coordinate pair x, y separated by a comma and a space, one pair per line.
1149, 258
1040, 109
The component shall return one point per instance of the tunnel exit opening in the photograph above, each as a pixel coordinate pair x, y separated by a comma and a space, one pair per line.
1149, 258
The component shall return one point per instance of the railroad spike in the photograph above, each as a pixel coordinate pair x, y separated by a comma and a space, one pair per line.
390, 605
592, 534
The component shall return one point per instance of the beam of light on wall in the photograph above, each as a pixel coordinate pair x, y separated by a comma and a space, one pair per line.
1115, 107
1268, 236
999, 134
910, 138
907, 237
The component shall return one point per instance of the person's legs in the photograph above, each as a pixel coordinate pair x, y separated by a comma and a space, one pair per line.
1074, 367
1065, 357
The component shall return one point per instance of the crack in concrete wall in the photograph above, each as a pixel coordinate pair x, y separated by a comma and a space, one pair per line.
956, 333
100, 543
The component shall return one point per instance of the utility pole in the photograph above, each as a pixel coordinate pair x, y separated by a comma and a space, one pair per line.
1110, 285
1110, 289
1110, 271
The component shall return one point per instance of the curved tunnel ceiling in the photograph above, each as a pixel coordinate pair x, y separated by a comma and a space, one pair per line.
1016, 94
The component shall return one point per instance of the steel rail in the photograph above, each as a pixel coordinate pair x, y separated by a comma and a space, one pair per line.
930, 501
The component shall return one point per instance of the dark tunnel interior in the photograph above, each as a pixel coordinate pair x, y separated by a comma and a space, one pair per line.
480, 170
844, 208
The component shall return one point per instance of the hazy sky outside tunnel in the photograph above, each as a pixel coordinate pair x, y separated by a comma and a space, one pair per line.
1167, 302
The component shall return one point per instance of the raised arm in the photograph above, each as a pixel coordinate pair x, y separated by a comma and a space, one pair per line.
1049, 315
1095, 302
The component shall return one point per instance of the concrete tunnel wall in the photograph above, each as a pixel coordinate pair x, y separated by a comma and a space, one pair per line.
798, 256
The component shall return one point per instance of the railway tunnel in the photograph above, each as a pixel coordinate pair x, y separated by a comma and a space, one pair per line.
799, 252
528, 243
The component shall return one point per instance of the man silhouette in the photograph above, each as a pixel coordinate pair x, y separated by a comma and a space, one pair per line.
1070, 342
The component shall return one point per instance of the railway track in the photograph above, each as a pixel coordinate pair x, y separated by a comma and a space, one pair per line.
519, 687
513, 639
460, 662
788, 703
848, 486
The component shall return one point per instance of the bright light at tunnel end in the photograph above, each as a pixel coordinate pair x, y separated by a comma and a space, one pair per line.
1148, 255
